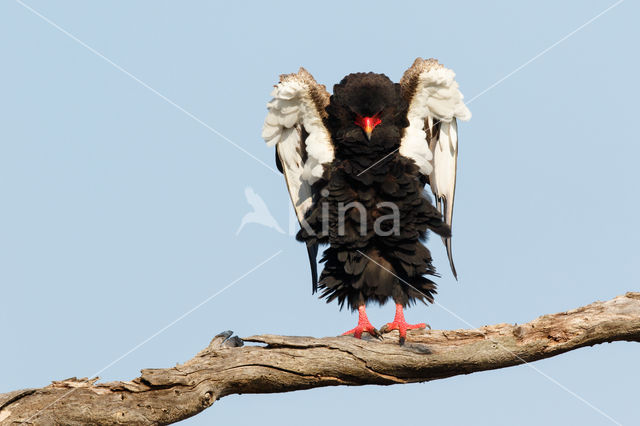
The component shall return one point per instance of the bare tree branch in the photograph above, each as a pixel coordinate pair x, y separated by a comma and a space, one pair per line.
283, 364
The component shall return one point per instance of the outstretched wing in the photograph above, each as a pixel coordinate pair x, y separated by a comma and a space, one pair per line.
431, 139
303, 144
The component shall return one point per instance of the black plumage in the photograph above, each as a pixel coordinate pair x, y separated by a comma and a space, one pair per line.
364, 266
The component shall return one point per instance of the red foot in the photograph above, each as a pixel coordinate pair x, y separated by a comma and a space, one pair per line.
363, 326
401, 325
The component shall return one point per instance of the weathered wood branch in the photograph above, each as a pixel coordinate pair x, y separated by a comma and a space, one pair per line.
282, 364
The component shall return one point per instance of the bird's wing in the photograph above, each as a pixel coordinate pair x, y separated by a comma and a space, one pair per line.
294, 124
431, 139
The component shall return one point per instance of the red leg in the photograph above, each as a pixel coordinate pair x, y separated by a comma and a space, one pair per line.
401, 325
363, 325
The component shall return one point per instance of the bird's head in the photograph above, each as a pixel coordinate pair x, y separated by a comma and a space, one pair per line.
367, 107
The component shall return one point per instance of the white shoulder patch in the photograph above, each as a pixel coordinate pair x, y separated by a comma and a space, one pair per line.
292, 105
298, 103
436, 95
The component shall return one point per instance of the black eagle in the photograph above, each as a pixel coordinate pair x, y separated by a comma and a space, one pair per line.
356, 164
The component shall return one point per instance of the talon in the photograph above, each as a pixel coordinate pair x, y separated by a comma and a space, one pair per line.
401, 325
376, 334
364, 326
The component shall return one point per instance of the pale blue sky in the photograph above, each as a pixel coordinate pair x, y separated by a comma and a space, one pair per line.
119, 211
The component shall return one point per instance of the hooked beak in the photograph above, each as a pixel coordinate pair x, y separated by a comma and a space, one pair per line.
368, 123
368, 128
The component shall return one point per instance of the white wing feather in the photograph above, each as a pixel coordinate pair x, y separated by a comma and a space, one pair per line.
431, 139
298, 107
298, 103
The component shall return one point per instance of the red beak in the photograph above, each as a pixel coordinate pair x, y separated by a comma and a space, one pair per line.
368, 124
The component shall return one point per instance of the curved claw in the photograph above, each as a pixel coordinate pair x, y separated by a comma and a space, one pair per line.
375, 333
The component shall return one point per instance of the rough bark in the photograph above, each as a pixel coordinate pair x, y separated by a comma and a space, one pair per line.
283, 364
